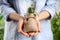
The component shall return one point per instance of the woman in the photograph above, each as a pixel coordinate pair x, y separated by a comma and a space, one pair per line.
14, 11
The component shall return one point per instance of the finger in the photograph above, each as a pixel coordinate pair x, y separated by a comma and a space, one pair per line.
31, 34
20, 23
25, 34
35, 34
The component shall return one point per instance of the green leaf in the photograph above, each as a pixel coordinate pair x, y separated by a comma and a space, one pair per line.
55, 23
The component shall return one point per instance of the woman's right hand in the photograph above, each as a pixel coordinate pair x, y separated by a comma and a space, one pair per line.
20, 24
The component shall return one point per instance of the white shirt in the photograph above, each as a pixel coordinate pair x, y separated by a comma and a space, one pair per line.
26, 4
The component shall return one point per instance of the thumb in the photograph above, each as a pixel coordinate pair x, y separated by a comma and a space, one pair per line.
20, 23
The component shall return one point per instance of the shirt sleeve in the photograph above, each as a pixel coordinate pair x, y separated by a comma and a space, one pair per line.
51, 7
5, 8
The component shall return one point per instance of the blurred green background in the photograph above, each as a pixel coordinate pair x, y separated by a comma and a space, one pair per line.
55, 24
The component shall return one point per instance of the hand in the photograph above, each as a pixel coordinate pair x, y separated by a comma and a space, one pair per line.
33, 33
20, 24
